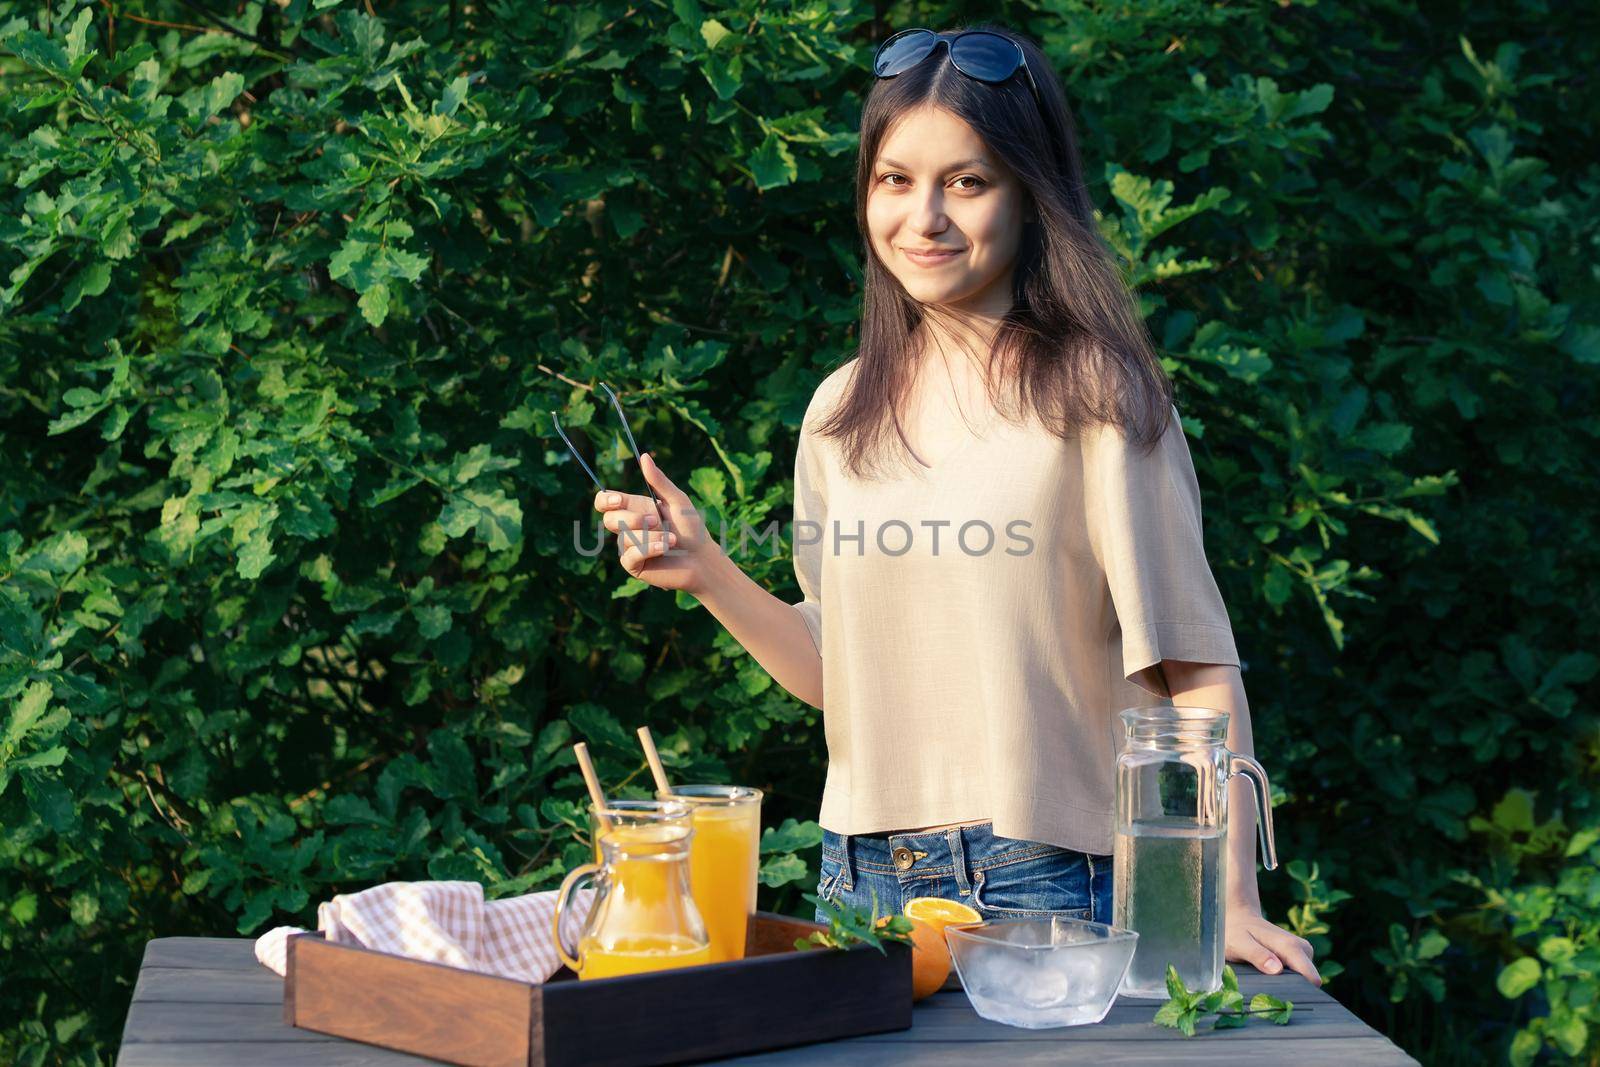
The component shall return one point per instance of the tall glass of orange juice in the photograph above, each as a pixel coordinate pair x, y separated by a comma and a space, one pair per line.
643, 917
723, 860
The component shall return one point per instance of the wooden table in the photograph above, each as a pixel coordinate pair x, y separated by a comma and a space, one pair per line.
202, 1000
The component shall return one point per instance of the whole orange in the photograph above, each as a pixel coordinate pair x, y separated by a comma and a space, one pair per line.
930, 959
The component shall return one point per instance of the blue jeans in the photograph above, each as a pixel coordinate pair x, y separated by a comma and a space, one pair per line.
1002, 878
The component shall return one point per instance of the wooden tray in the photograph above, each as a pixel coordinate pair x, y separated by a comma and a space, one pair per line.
775, 996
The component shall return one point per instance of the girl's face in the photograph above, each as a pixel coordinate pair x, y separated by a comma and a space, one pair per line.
936, 186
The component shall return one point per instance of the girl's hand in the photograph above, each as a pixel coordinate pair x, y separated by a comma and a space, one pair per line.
1252, 939
680, 558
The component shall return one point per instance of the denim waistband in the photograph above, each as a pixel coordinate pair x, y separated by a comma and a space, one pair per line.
957, 852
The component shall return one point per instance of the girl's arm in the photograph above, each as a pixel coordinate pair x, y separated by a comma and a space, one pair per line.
689, 559
769, 629
1250, 937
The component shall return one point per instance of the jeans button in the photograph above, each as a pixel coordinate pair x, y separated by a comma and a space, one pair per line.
902, 858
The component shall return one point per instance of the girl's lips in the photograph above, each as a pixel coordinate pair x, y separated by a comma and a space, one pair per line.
932, 260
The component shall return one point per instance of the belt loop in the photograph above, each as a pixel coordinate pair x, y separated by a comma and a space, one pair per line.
958, 860
849, 841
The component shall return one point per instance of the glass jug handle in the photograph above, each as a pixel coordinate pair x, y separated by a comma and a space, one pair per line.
1248, 767
563, 899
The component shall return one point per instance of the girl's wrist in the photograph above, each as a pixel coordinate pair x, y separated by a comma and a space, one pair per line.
716, 570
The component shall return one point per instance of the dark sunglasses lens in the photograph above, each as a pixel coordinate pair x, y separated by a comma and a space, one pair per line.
986, 56
902, 52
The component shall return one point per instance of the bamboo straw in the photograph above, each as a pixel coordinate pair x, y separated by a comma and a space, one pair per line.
592, 780
657, 771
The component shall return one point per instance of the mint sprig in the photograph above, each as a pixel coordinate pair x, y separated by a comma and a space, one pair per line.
1185, 1008
849, 926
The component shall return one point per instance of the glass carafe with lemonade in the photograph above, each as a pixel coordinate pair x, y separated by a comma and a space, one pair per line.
724, 859
644, 916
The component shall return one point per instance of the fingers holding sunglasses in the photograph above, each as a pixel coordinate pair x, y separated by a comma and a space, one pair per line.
623, 519
638, 548
609, 501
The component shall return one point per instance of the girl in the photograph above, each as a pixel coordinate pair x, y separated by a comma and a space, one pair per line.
997, 522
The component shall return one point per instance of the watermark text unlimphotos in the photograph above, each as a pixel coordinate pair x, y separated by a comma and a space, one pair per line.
893, 537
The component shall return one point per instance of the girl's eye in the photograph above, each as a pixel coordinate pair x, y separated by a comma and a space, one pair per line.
965, 177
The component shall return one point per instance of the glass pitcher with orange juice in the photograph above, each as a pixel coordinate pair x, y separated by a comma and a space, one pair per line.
724, 858
643, 917
625, 813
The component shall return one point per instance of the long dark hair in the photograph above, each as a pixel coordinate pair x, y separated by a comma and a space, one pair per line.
1072, 348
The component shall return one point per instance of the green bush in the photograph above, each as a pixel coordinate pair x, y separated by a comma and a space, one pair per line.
290, 602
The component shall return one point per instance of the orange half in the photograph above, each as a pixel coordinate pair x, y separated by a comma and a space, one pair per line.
938, 912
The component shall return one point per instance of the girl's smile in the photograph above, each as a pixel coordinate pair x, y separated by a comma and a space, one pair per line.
932, 259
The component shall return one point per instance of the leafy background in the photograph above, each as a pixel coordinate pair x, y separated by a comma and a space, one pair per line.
289, 600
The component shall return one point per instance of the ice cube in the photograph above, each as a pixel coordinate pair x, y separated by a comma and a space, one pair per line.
1046, 986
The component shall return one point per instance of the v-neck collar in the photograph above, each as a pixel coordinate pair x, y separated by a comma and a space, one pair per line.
995, 426
968, 438
992, 423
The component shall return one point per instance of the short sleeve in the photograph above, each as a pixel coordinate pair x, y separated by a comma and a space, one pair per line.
810, 518
1143, 514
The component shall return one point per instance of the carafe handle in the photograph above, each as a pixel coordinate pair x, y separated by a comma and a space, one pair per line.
1248, 767
563, 899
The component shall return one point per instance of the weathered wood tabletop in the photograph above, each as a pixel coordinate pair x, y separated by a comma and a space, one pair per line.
203, 1000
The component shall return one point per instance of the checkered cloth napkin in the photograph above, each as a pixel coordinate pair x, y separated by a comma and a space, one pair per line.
443, 922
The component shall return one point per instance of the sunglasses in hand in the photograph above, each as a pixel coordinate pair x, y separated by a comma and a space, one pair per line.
632, 444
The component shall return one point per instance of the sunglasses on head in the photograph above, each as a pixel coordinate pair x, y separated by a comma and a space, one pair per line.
979, 54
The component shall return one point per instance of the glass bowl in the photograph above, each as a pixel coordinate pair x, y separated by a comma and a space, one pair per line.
1042, 972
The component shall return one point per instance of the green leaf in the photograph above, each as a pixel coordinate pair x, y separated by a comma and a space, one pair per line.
1168, 1014
1525, 1048
783, 870
256, 554
792, 836
1557, 950
1582, 343
1278, 1010
1568, 1032
458, 516
62, 553
725, 72
453, 765
454, 95
218, 94
91, 281
1387, 438
1175, 987
1431, 944
629, 588
773, 164
374, 304
26, 713
1582, 842
433, 620
1517, 977
1514, 812
499, 523
77, 35
356, 260
85, 908
713, 32
24, 908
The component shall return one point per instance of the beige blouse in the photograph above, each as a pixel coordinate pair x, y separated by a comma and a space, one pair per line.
982, 622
